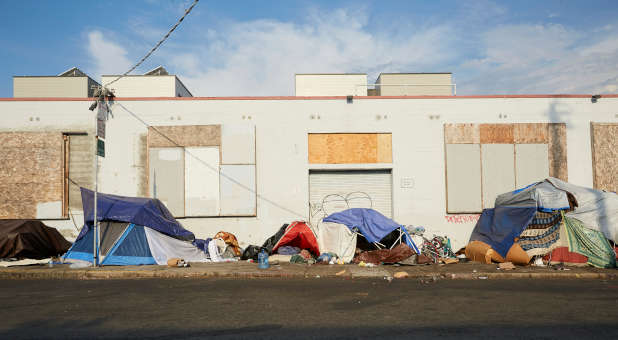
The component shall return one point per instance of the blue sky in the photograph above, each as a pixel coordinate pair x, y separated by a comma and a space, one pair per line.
230, 48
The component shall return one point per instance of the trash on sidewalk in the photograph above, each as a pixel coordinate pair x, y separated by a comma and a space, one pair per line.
177, 262
449, 260
401, 275
339, 273
398, 253
506, 266
231, 242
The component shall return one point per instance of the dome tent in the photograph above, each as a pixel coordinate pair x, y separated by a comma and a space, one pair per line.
133, 231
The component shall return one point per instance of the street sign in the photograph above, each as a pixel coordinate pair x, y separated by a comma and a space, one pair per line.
101, 128
100, 148
102, 111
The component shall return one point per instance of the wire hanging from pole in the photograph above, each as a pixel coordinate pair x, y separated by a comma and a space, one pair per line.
187, 11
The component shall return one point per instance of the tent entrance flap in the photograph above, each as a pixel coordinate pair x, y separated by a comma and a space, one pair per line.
110, 233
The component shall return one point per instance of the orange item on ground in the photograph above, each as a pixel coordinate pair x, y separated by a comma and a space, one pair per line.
229, 239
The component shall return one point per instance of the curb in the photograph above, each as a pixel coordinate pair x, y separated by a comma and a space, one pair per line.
94, 274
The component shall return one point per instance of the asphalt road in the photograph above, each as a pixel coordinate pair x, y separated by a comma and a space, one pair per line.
309, 308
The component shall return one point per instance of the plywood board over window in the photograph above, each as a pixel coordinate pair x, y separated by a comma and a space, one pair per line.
238, 190
498, 166
167, 178
512, 156
81, 159
237, 144
532, 163
605, 155
202, 181
31, 175
184, 135
463, 180
350, 148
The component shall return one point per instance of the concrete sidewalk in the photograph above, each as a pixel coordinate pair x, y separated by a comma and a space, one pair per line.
247, 270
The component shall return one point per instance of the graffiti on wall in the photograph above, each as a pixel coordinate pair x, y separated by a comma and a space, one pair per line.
462, 218
333, 203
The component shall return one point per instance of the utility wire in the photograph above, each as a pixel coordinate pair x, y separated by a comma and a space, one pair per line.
187, 11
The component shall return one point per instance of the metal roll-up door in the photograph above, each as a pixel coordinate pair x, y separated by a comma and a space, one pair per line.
332, 191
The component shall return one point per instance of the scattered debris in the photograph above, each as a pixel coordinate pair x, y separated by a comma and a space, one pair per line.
340, 273
449, 260
506, 266
401, 275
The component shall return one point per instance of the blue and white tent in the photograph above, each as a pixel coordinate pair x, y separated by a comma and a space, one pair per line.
133, 231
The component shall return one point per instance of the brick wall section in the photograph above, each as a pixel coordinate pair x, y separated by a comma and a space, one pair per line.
31, 172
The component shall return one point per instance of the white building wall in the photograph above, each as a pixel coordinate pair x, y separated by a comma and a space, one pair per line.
142, 86
414, 84
331, 84
282, 167
50, 87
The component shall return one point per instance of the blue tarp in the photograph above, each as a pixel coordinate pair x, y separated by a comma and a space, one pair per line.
500, 226
148, 212
373, 225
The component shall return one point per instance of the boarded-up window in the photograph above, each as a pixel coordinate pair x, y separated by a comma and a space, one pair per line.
605, 155
463, 181
531, 163
203, 170
348, 148
202, 181
237, 190
31, 175
510, 156
81, 165
498, 166
167, 178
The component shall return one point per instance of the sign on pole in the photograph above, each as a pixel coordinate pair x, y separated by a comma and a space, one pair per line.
100, 148
101, 128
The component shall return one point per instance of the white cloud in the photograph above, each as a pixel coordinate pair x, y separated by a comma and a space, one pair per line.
543, 59
261, 57
107, 57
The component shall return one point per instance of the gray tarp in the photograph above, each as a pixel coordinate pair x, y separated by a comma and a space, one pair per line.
597, 210
543, 195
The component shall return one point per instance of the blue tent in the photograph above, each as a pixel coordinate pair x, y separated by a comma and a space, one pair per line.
371, 224
122, 244
133, 231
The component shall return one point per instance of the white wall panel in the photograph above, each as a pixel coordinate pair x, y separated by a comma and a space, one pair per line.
498, 164
532, 163
237, 144
238, 190
166, 178
202, 181
463, 177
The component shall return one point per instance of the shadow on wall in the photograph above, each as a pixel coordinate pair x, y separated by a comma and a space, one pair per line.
557, 114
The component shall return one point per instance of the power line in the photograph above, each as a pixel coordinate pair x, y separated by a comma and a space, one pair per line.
157, 45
